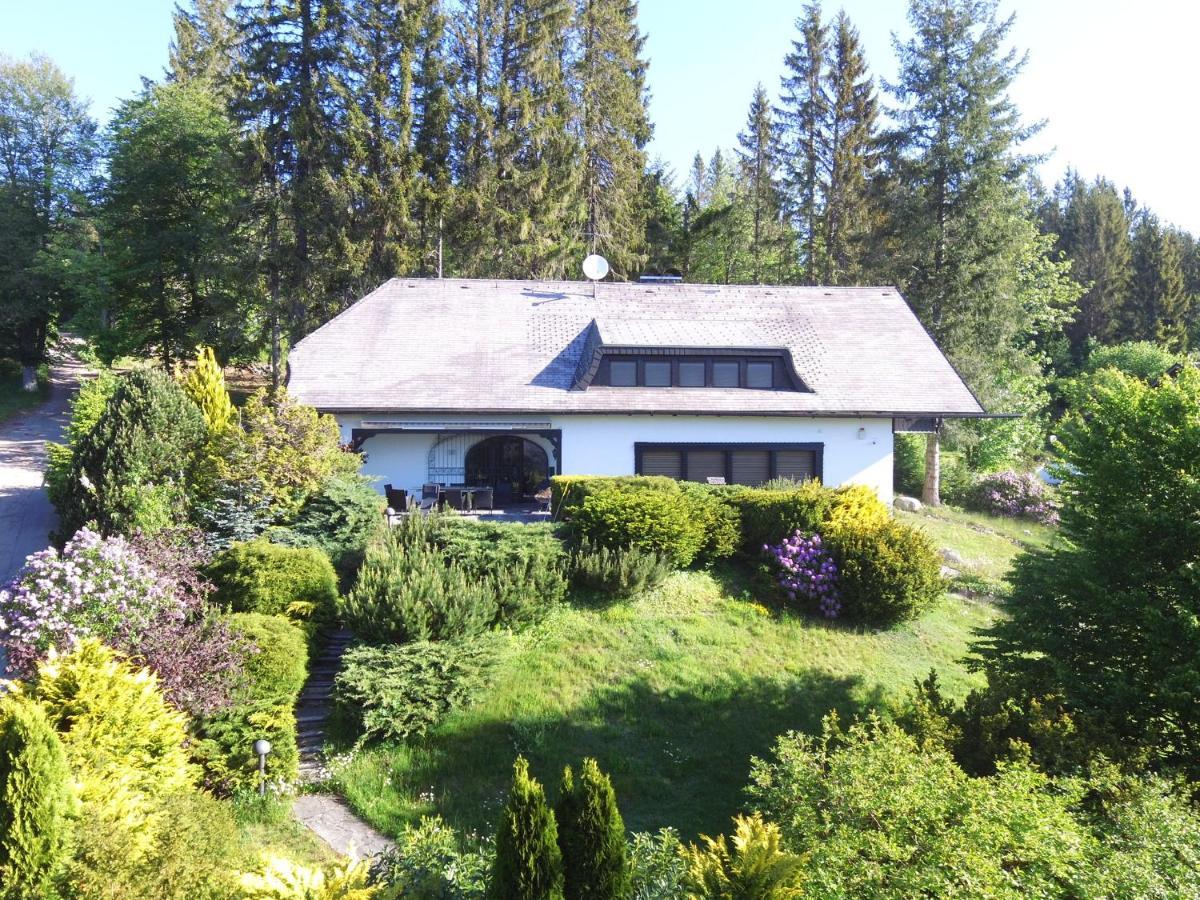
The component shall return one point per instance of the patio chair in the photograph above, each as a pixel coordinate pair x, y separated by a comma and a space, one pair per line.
484, 498
430, 491
396, 499
452, 497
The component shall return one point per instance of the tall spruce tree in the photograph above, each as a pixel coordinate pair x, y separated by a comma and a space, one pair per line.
1159, 305
614, 128
959, 219
850, 156
759, 173
203, 45
803, 111
1094, 234
383, 47
591, 835
432, 112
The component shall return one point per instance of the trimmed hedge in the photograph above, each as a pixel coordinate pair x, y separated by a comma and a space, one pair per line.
888, 573
769, 516
261, 577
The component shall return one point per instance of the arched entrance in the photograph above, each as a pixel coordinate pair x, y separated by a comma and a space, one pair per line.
514, 467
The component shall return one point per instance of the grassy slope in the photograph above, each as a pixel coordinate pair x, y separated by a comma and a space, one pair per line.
672, 692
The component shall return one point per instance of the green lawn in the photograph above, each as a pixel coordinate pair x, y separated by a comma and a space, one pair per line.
13, 398
672, 692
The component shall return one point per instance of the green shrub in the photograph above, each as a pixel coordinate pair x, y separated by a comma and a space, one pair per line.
756, 868
591, 836
281, 879
528, 864
131, 469
429, 863
279, 667
657, 867
262, 577
1141, 359
855, 506
660, 521
36, 800
769, 516
437, 578
339, 519
86, 407
887, 573
406, 591
621, 572
525, 563
226, 745
398, 692
876, 815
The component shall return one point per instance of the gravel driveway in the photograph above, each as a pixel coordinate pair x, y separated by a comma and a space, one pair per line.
26, 516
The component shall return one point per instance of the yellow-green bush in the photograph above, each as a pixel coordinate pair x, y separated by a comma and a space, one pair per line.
37, 800
887, 573
756, 866
258, 576
855, 506
278, 666
656, 520
226, 745
281, 879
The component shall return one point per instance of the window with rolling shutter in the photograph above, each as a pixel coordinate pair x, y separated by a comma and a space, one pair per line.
797, 464
705, 464
662, 462
751, 467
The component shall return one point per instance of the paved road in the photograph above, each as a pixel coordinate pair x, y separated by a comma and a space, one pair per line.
26, 516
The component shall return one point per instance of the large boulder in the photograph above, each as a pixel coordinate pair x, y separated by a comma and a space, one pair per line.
907, 504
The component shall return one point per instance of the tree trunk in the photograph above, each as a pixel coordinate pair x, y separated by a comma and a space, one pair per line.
931, 492
29, 381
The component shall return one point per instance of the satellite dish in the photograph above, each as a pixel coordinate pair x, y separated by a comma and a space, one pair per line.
595, 267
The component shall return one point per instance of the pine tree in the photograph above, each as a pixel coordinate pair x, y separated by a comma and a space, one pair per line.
759, 167
849, 157
665, 235
614, 128
36, 801
804, 109
1159, 306
959, 219
591, 835
528, 863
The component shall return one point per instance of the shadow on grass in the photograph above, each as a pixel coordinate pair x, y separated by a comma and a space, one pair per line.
677, 758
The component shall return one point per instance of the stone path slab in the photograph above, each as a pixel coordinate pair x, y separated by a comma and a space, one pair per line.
331, 819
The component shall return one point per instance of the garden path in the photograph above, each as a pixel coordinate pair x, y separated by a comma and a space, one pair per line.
326, 815
26, 516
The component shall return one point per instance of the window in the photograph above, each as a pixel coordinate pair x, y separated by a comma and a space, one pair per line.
658, 374
622, 373
750, 464
691, 374
760, 375
726, 374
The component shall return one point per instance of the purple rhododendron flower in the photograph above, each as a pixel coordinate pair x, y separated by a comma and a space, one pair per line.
807, 570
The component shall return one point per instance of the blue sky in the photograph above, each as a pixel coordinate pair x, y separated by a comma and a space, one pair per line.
1088, 62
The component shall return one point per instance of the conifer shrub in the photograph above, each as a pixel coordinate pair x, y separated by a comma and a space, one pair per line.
131, 470
591, 836
340, 519
267, 578
86, 407
36, 800
618, 572
856, 506
886, 573
398, 692
225, 748
769, 516
276, 660
205, 384
528, 863
659, 521
757, 865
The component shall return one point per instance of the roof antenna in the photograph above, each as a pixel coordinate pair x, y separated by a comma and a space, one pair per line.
595, 267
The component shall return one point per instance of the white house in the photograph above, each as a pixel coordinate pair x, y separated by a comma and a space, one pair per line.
505, 383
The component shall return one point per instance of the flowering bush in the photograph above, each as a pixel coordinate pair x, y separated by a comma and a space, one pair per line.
96, 586
807, 569
1018, 494
143, 598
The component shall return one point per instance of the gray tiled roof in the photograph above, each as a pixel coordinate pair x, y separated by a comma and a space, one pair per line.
456, 345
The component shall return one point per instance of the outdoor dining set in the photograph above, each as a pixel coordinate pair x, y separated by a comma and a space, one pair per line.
464, 497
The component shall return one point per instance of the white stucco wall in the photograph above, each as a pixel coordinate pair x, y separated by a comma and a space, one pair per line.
603, 445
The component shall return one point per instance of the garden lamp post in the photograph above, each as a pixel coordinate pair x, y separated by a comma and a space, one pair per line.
261, 749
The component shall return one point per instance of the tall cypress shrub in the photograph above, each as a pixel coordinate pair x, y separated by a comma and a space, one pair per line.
591, 836
35, 800
528, 864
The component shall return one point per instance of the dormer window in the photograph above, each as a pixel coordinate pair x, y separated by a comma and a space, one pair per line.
691, 369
